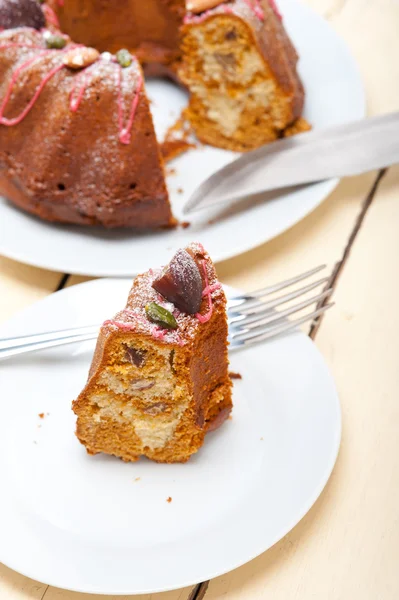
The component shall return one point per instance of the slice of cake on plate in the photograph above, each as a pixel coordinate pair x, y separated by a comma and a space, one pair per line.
159, 378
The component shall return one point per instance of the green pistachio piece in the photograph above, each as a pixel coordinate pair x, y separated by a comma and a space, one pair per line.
124, 58
159, 315
55, 41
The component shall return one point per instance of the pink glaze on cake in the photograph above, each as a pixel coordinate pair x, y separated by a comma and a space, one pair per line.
155, 331
76, 99
195, 19
50, 15
22, 115
207, 292
256, 8
276, 10
77, 92
125, 131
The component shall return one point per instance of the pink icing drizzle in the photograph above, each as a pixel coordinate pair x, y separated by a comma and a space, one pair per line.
212, 288
50, 15
19, 45
157, 332
206, 292
76, 99
119, 324
125, 131
256, 8
275, 9
46, 79
190, 18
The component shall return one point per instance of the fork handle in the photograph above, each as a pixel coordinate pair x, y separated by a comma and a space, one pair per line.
31, 343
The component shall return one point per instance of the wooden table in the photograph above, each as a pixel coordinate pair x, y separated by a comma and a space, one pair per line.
347, 546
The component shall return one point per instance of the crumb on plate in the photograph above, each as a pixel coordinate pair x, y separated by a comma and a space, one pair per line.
233, 375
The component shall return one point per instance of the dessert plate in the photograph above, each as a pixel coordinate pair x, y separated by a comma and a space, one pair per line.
97, 524
334, 95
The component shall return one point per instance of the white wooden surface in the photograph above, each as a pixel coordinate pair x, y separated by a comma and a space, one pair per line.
347, 547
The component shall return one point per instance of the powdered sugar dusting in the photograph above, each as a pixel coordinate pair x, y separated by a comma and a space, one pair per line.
134, 319
190, 18
275, 9
32, 43
207, 292
256, 8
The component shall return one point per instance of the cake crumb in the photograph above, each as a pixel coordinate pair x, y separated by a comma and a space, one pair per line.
185, 224
299, 126
233, 375
261, 439
41, 415
230, 418
169, 500
171, 149
178, 139
170, 171
180, 190
137, 479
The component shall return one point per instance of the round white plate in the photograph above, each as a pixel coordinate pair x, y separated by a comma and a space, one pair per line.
334, 94
89, 524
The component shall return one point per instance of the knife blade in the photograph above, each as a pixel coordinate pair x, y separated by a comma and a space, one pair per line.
341, 151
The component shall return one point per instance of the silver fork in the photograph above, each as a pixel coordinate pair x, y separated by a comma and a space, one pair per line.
252, 318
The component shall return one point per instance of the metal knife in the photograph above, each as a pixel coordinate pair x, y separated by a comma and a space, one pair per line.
341, 151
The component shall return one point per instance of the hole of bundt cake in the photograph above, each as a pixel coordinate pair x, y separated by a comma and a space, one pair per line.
61, 186
133, 186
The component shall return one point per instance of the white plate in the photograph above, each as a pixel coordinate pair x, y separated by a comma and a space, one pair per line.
334, 95
83, 523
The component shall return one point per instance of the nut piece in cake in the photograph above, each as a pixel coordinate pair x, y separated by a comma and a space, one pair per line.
159, 378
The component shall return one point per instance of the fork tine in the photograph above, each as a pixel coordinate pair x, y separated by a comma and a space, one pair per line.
253, 337
277, 287
261, 306
258, 320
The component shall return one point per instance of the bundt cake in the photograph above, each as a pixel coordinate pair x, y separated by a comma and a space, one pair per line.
77, 142
159, 378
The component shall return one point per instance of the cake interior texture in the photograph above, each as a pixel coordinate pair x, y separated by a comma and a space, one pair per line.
237, 101
154, 397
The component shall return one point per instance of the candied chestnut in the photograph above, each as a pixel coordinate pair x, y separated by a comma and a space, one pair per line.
181, 283
21, 13
135, 356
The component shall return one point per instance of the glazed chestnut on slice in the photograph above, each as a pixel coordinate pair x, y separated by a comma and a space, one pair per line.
181, 283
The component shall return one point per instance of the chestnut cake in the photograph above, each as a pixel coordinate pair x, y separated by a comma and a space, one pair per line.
159, 378
77, 142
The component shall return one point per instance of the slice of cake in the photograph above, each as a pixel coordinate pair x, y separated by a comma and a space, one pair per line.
159, 377
240, 68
